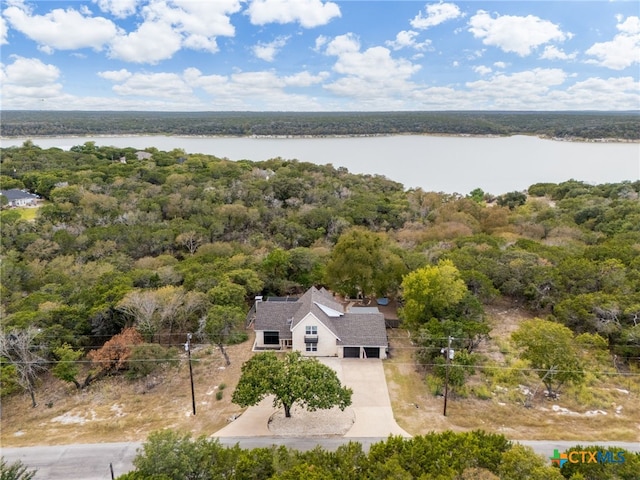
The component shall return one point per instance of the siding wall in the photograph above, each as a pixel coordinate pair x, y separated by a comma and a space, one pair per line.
326, 339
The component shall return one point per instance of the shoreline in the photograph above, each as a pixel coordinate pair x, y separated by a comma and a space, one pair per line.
302, 137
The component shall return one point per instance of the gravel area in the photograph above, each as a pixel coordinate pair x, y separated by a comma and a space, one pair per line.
319, 423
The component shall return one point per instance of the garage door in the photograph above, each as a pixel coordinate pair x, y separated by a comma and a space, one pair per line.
351, 352
372, 352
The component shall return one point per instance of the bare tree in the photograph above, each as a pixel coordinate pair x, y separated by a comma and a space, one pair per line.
191, 240
24, 353
142, 307
167, 308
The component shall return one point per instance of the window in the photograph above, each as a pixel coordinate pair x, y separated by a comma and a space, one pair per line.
311, 330
311, 347
271, 338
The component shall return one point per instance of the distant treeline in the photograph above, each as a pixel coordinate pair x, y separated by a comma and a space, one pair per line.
568, 125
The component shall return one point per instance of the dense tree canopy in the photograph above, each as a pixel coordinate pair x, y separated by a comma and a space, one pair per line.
552, 124
442, 456
157, 242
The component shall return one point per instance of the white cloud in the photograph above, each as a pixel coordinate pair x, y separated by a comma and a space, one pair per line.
115, 75
407, 38
551, 52
598, 93
118, 8
435, 14
268, 51
152, 42
309, 13
500, 65
27, 79
525, 90
305, 79
342, 44
373, 73
515, 34
482, 70
4, 31
321, 41
61, 29
239, 91
621, 52
164, 85
174, 24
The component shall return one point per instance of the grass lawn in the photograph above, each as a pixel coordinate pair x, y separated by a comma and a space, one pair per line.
28, 213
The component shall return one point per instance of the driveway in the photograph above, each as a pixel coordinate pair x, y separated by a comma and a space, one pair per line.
370, 403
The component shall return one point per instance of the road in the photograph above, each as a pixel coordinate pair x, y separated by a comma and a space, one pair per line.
91, 461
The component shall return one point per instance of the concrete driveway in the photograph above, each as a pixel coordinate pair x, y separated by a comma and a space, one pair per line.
370, 402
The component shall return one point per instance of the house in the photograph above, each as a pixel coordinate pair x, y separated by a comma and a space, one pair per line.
316, 325
19, 198
142, 155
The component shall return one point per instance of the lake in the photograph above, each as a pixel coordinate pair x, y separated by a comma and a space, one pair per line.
447, 164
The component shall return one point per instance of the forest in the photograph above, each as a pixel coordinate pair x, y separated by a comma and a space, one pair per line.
623, 126
128, 252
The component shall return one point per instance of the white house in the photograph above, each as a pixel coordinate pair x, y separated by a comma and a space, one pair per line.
19, 198
316, 325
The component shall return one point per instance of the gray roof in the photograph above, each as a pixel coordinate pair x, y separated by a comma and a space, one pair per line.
365, 328
274, 316
15, 194
362, 329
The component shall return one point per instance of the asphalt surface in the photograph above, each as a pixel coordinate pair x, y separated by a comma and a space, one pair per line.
91, 461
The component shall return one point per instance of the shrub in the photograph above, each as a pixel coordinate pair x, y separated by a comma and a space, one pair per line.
219, 394
147, 357
15, 471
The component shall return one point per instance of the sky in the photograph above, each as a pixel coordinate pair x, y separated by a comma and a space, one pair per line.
319, 55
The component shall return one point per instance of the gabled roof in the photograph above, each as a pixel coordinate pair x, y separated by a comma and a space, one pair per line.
365, 328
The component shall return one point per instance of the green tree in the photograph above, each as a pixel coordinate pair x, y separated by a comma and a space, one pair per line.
430, 291
294, 379
522, 463
170, 455
363, 263
512, 200
67, 367
550, 349
223, 327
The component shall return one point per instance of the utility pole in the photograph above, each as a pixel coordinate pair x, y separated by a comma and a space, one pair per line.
449, 354
187, 347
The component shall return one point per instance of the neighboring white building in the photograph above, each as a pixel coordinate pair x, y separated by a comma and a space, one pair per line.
19, 198
316, 325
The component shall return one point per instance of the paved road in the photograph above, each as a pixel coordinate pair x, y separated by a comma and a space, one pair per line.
91, 461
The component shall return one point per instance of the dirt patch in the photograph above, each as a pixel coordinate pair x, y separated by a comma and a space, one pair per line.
616, 418
117, 409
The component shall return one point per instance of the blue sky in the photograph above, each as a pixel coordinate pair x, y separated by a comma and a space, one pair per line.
318, 55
